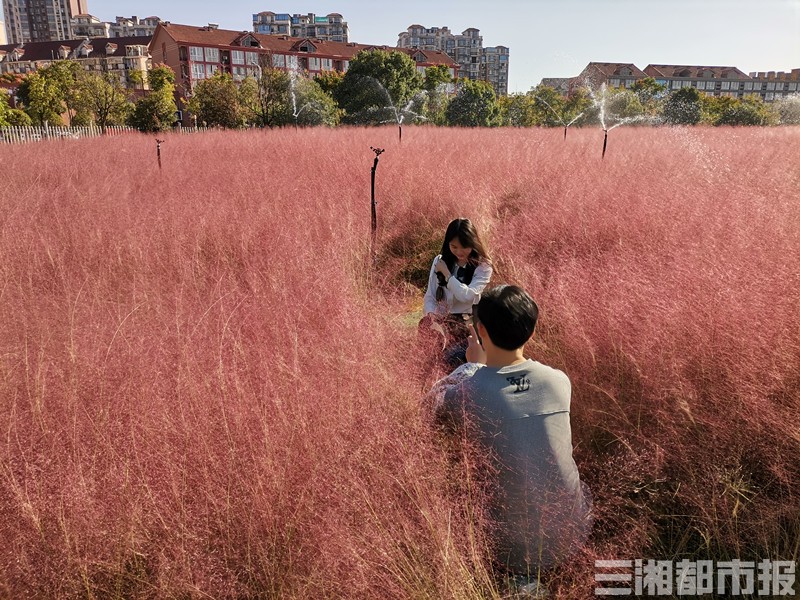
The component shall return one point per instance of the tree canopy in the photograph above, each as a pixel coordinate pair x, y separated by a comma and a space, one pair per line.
475, 105
377, 85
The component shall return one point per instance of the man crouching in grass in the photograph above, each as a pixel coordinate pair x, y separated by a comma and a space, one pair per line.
519, 411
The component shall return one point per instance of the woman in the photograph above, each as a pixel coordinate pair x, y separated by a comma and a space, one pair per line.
457, 278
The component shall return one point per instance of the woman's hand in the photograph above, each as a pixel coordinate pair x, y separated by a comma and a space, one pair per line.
441, 267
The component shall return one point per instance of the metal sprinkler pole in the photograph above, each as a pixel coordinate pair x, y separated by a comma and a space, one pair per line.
158, 151
374, 224
605, 143
565, 131
401, 132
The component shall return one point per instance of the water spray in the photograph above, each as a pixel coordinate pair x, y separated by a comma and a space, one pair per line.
158, 151
374, 224
558, 115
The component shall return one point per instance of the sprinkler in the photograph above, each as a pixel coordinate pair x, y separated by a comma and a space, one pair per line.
374, 227
158, 151
605, 143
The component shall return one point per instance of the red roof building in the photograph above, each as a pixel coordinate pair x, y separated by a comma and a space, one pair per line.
196, 53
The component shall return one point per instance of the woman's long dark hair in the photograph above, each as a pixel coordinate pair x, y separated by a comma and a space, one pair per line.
468, 237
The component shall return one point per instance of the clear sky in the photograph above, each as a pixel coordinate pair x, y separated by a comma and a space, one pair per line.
547, 38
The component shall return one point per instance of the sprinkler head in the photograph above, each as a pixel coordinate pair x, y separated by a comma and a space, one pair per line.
377, 151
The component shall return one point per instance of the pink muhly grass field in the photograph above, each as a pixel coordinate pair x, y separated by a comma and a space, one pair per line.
210, 388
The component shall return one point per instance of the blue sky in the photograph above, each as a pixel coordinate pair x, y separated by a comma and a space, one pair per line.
547, 38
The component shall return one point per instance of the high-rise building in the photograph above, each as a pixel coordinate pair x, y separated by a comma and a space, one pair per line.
3, 38
476, 62
40, 20
331, 28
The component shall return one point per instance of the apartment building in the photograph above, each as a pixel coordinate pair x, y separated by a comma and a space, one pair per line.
112, 55
475, 62
197, 53
727, 81
3, 36
715, 81
40, 20
331, 27
92, 27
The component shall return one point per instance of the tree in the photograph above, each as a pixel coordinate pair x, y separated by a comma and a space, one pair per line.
104, 98
11, 116
314, 106
650, 94
682, 107
156, 111
750, 110
329, 81
518, 110
788, 110
216, 102
475, 105
436, 83
547, 107
377, 86
577, 106
42, 99
266, 100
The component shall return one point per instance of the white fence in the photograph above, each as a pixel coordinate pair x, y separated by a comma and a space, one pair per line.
21, 135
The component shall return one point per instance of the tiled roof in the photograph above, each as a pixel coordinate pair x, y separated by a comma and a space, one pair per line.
190, 34
694, 71
36, 51
609, 68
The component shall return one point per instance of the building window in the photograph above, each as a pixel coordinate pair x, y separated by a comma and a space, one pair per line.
211, 69
701, 85
237, 57
769, 96
771, 85
313, 64
726, 85
792, 87
676, 85
198, 71
252, 58
326, 64
212, 55
196, 53
748, 85
278, 60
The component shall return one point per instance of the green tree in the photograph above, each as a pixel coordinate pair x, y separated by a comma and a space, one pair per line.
436, 83
266, 100
12, 116
42, 99
329, 81
314, 106
548, 107
750, 110
650, 94
104, 98
518, 110
156, 111
475, 105
376, 85
216, 102
577, 106
683, 107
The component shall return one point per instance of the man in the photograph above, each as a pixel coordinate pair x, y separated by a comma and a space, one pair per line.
520, 412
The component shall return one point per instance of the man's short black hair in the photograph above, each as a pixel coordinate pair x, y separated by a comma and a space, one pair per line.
509, 315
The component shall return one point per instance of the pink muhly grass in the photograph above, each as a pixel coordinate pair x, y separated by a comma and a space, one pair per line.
209, 390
